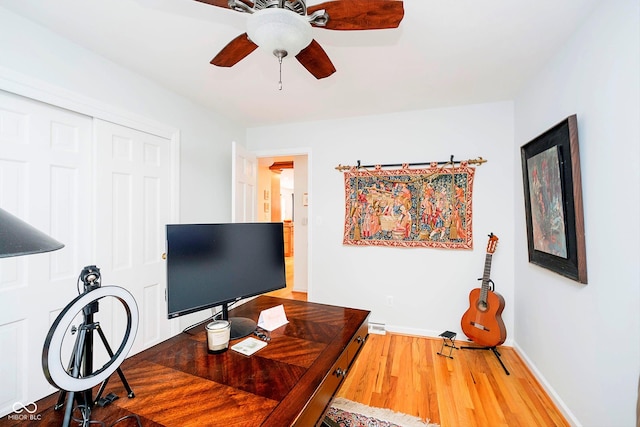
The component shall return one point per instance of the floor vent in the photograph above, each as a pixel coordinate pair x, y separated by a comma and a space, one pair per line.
377, 328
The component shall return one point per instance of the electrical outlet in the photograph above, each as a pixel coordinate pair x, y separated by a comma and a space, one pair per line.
389, 301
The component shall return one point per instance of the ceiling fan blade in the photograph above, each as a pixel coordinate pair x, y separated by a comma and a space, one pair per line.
361, 14
234, 51
316, 61
224, 3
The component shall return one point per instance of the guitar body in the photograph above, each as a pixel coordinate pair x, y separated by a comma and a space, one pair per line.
482, 323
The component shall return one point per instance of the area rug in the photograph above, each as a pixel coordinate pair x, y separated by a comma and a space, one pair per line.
346, 413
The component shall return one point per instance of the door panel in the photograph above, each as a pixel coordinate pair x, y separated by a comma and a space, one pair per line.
244, 169
133, 183
45, 179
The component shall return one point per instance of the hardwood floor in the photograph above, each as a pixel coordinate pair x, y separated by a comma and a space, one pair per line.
405, 374
288, 292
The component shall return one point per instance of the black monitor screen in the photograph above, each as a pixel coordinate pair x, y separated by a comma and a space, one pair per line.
213, 264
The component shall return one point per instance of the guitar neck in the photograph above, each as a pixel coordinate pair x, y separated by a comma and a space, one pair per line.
485, 277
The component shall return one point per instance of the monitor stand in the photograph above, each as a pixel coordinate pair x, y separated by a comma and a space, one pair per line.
240, 326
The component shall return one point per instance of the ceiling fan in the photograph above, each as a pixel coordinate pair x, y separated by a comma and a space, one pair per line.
284, 28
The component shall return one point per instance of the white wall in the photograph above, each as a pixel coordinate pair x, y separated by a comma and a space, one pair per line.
32, 51
33, 57
584, 340
429, 287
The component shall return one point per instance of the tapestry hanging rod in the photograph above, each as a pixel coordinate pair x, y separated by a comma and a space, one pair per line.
479, 161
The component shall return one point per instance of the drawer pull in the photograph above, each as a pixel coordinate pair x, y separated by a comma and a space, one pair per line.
360, 339
340, 373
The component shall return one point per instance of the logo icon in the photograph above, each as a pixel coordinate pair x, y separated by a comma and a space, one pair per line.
31, 408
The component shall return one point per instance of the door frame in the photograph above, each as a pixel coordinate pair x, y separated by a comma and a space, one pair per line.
298, 151
29, 87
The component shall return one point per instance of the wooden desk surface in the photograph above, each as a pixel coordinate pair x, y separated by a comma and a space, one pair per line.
289, 382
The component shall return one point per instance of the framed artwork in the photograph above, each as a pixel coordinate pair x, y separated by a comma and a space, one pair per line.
553, 201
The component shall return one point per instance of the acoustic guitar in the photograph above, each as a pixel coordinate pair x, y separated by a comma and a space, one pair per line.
482, 322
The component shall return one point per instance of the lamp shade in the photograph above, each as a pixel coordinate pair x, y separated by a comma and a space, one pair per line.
279, 30
19, 238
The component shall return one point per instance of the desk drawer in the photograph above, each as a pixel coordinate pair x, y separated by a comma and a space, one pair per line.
357, 342
313, 414
317, 406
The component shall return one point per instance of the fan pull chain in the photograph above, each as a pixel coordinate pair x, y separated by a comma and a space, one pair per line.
280, 81
280, 54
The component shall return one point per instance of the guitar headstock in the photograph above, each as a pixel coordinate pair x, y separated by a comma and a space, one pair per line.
493, 242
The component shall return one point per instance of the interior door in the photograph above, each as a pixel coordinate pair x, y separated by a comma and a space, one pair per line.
244, 170
45, 179
133, 207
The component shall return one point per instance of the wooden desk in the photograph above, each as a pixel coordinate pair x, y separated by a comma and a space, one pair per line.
290, 382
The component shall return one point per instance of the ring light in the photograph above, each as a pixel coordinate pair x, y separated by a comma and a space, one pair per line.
55, 372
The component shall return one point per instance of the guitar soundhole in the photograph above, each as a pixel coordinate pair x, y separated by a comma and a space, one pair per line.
482, 306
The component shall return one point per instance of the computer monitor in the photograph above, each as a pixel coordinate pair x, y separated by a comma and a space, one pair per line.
211, 265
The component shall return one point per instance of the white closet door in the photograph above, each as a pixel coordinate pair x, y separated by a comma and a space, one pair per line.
45, 179
132, 208
101, 189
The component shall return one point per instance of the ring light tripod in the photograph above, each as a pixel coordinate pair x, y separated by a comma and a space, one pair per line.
80, 376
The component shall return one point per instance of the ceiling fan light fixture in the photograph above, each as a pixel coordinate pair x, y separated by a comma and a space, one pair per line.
279, 30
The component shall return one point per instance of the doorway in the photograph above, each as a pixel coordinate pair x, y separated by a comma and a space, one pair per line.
282, 195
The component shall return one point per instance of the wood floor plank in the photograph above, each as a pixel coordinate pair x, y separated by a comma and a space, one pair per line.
405, 374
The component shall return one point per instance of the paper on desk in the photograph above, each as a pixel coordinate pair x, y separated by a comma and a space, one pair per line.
272, 318
248, 346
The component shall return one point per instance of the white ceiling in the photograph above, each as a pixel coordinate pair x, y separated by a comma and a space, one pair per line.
445, 53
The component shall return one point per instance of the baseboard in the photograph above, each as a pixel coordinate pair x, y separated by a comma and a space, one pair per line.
547, 387
430, 333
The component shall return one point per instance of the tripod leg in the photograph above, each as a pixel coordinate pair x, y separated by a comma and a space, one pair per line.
61, 398
495, 351
67, 412
63, 393
130, 392
100, 391
77, 361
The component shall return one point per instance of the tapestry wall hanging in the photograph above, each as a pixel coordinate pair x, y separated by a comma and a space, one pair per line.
409, 207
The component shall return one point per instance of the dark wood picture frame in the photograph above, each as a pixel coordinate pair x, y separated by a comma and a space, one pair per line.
553, 201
